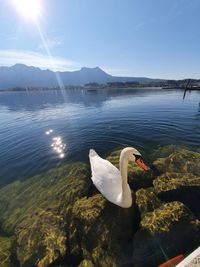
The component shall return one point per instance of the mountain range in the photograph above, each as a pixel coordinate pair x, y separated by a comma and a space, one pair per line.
21, 75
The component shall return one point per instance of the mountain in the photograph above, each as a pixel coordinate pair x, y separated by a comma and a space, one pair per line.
21, 75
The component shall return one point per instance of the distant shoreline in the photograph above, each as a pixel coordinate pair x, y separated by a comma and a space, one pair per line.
89, 89
94, 89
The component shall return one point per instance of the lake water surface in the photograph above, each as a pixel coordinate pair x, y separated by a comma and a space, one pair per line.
103, 120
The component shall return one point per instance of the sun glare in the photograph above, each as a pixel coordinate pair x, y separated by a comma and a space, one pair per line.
30, 9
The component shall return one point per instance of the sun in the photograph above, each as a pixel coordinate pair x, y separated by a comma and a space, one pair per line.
29, 9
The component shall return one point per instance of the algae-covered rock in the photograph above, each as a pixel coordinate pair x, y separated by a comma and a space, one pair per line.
172, 181
57, 220
59, 186
184, 187
168, 229
37, 210
40, 239
147, 200
5, 253
179, 177
164, 217
64, 224
103, 230
165, 151
89, 209
166, 232
86, 263
181, 161
84, 214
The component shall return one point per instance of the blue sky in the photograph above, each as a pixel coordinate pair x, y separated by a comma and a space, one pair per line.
157, 38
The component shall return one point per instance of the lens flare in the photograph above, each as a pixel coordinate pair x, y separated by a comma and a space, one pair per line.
29, 9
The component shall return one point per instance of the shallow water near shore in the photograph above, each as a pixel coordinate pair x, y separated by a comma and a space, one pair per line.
102, 119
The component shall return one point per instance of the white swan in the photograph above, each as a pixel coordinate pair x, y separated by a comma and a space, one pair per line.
112, 183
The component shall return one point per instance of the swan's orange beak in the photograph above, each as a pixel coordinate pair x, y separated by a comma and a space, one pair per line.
142, 165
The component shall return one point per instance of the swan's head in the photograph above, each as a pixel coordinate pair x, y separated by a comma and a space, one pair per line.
132, 154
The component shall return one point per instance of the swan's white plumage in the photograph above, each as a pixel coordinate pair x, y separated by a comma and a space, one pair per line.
107, 178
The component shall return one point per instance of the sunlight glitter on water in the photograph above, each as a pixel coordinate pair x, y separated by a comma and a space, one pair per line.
58, 146
49, 131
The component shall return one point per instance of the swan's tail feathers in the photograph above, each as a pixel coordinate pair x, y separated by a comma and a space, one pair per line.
92, 153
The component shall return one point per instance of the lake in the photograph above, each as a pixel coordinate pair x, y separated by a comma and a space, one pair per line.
102, 119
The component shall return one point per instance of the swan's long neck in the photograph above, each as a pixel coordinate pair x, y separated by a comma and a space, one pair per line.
125, 197
123, 163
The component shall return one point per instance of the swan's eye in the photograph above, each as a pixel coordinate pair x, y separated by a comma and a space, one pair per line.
138, 157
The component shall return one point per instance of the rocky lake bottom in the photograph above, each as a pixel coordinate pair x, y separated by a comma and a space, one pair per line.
59, 219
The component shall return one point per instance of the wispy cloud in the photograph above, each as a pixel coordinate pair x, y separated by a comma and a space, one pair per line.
31, 58
52, 42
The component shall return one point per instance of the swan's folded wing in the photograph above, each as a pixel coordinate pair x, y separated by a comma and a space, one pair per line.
106, 177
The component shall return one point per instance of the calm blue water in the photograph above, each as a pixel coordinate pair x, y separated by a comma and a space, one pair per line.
101, 120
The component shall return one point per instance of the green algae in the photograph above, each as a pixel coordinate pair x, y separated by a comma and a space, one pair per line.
172, 181
147, 200
166, 231
86, 263
23, 198
5, 253
179, 179
89, 209
55, 217
35, 209
164, 217
165, 151
40, 239
98, 228
181, 160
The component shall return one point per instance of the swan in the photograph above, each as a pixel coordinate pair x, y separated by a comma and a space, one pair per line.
111, 182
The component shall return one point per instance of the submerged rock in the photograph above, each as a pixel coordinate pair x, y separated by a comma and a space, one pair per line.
103, 231
62, 223
167, 231
165, 151
86, 263
40, 239
184, 187
36, 211
181, 161
57, 220
172, 181
164, 217
5, 251
147, 200
57, 187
